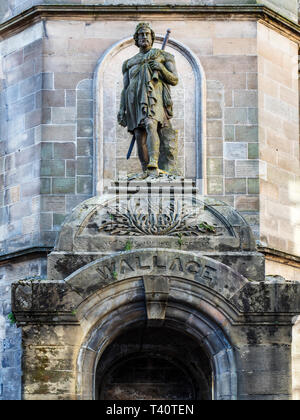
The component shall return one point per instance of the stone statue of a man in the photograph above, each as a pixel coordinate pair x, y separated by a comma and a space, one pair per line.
146, 105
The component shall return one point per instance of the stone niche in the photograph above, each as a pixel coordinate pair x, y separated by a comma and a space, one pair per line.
153, 282
189, 98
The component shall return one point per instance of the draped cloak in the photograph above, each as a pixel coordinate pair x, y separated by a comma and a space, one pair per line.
147, 95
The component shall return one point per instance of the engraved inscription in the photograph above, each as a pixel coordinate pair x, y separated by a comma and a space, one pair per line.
174, 266
125, 267
209, 273
106, 271
193, 267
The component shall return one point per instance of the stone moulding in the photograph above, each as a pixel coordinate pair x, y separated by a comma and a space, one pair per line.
240, 300
280, 256
214, 229
89, 12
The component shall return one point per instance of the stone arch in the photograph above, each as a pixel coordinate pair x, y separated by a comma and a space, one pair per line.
153, 367
128, 316
106, 107
116, 306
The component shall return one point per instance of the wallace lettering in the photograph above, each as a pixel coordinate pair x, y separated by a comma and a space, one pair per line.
176, 265
140, 266
106, 271
157, 262
209, 273
151, 264
193, 267
125, 266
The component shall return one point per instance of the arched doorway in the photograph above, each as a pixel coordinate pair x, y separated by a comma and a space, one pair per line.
190, 335
154, 363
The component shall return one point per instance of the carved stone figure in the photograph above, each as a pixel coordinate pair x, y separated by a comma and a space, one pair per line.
146, 105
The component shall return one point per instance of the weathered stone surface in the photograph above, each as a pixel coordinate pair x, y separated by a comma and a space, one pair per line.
156, 294
266, 340
220, 228
249, 265
101, 273
265, 295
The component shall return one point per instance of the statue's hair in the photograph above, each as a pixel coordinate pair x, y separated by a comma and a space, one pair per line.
143, 25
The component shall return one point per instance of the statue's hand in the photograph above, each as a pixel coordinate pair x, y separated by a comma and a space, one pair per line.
155, 65
122, 118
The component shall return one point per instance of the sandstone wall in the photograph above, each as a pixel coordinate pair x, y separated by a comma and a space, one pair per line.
10, 335
21, 117
278, 143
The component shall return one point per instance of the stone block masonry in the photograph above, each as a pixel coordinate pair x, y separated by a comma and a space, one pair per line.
10, 335
279, 141
21, 116
232, 130
43, 114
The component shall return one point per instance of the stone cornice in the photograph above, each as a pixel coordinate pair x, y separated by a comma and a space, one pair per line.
280, 256
33, 252
167, 12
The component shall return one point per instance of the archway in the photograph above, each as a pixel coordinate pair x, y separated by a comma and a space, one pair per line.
154, 363
118, 306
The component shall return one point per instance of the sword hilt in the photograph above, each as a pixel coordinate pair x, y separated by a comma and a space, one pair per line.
166, 39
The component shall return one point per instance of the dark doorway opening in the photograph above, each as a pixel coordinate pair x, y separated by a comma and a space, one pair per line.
154, 364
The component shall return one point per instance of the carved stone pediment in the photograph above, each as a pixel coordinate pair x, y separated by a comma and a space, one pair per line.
156, 215
171, 211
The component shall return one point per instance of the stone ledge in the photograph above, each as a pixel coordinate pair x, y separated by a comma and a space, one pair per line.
272, 254
33, 252
243, 302
255, 12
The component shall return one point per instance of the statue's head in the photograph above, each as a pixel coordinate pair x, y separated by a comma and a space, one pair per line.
144, 36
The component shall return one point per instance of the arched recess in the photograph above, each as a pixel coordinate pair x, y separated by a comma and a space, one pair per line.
154, 362
111, 141
120, 307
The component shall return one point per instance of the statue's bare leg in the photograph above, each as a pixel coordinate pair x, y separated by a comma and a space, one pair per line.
168, 149
141, 141
153, 143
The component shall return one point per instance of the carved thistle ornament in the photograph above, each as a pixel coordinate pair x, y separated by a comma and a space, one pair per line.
151, 217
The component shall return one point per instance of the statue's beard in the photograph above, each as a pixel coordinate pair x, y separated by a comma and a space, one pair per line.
144, 43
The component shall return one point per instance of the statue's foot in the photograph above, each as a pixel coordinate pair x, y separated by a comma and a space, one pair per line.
140, 175
152, 171
152, 165
160, 171
156, 172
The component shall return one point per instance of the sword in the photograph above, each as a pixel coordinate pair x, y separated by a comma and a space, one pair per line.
164, 44
166, 39
131, 147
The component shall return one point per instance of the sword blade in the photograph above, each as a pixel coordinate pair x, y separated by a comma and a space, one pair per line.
131, 147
